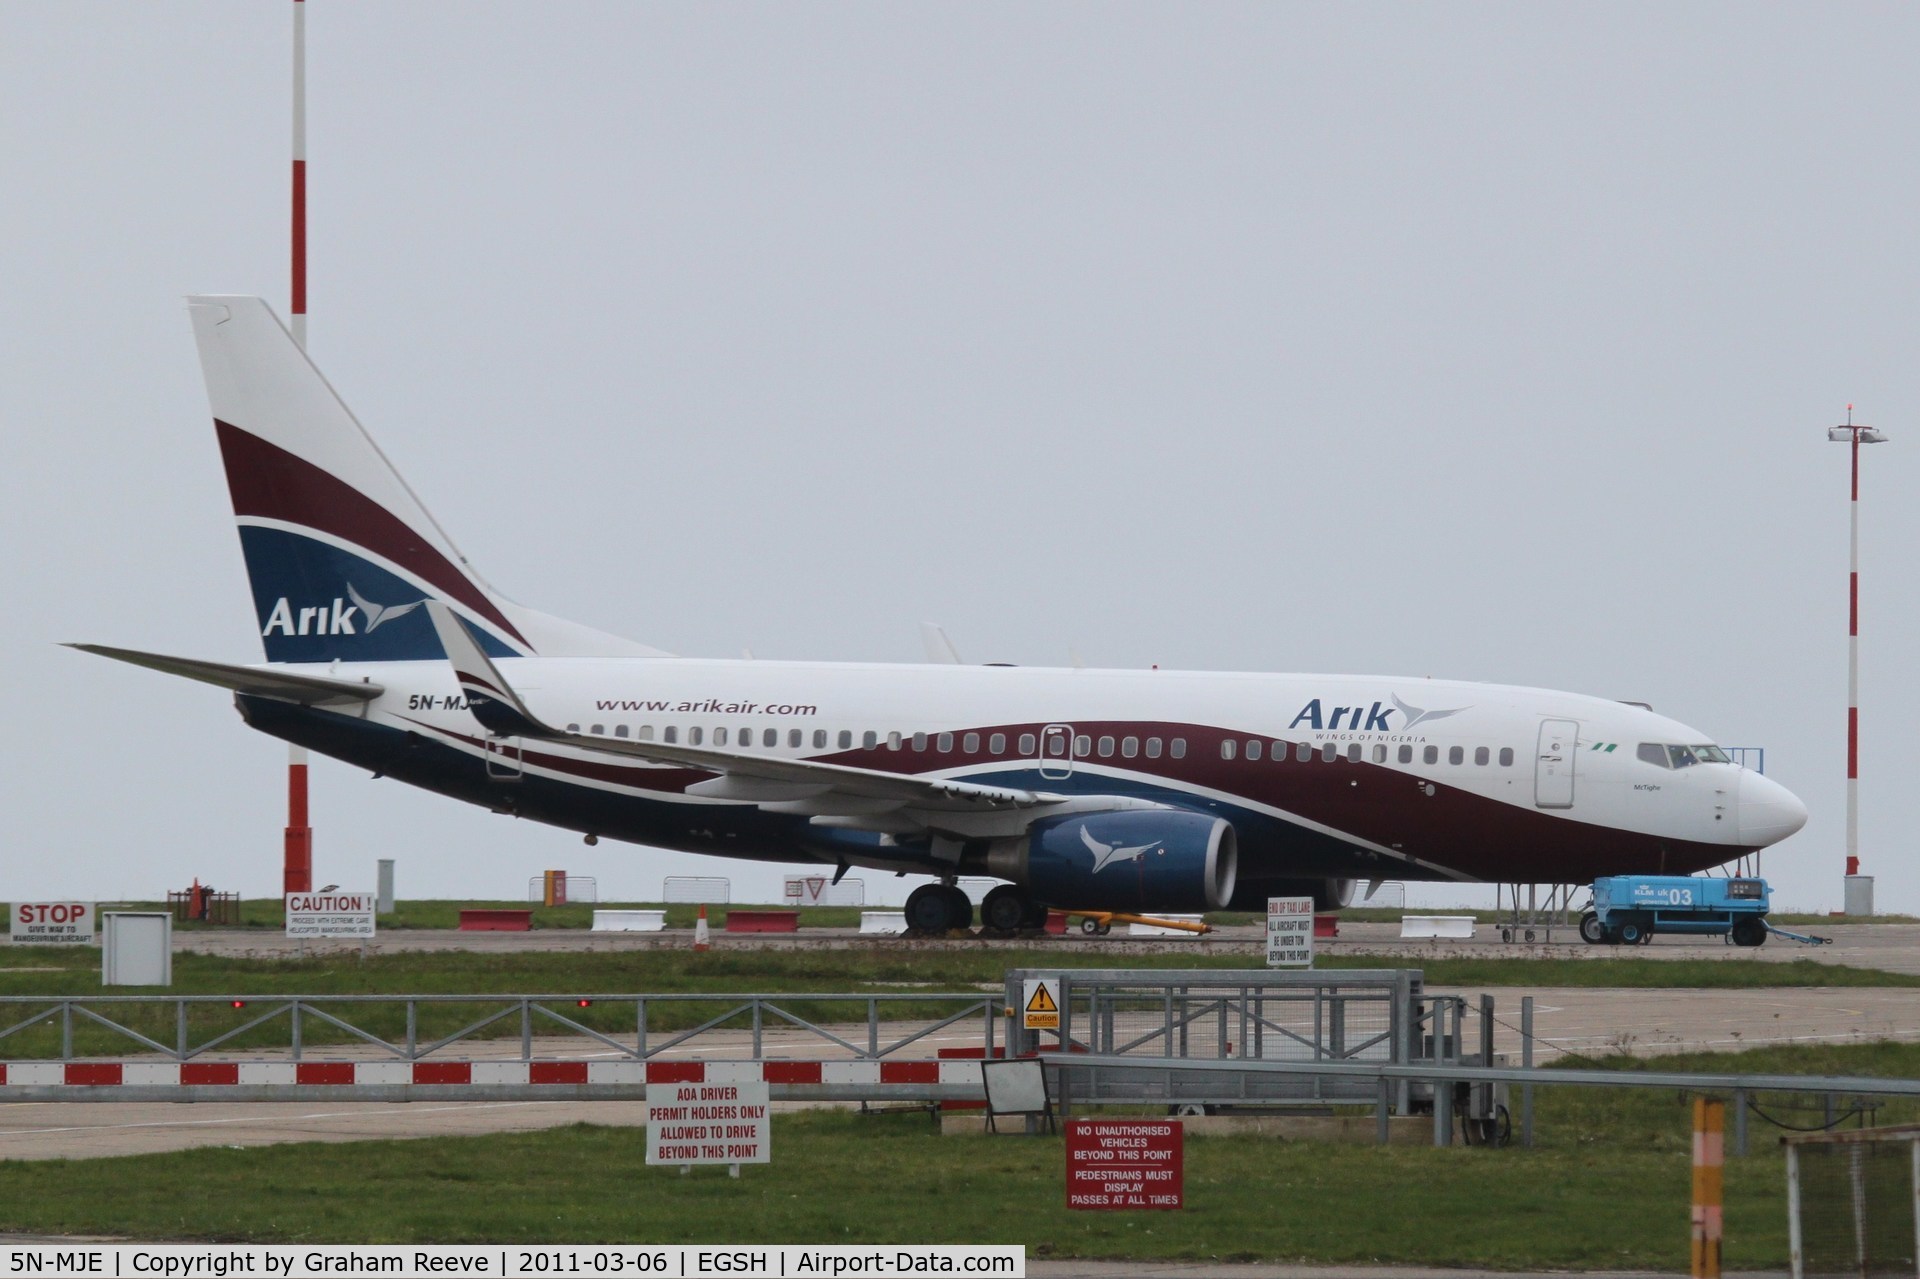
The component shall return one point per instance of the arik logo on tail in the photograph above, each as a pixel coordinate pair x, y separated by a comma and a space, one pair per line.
1105, 855
1366, 719
335, 618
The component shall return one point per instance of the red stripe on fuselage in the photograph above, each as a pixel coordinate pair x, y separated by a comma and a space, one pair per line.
1468, 833
268, 482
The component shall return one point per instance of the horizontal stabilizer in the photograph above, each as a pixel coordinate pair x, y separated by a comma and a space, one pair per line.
307, 690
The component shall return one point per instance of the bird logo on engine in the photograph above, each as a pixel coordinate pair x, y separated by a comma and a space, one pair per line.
1104, 855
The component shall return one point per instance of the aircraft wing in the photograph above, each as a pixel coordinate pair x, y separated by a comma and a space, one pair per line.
834, 794
307, 690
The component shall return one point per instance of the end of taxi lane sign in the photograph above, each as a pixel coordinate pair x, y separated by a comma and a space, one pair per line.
1289, 932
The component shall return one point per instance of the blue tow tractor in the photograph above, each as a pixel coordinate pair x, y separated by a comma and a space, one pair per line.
1630, 909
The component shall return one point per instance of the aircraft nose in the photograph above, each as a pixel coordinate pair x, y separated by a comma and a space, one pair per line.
1769, 812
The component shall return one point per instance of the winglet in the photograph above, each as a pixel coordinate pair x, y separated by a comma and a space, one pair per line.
489, 696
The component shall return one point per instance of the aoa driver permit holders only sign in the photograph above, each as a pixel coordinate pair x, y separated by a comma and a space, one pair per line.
52, 924
1289, 932
334, 914
709, 1124
1125, 1163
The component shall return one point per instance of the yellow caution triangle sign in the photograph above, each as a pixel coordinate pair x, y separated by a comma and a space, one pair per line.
1042, 1001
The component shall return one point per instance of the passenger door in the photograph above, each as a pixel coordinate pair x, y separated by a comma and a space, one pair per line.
1553, 764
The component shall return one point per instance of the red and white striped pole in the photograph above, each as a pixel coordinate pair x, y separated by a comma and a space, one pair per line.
299, 307
1854, 436
296, 874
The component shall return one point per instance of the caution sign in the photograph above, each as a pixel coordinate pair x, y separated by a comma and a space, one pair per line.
1040, 1003
52, 924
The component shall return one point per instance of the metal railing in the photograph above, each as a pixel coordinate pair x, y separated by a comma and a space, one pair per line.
863, 1035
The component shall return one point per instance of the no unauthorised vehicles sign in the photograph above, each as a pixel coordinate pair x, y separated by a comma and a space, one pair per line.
1125, 1163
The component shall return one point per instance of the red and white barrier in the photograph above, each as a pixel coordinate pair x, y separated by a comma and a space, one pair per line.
387, 1074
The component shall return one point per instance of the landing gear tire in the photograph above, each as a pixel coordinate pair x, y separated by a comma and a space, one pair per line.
1005, 910
1749, 932
1590, 930
927, 909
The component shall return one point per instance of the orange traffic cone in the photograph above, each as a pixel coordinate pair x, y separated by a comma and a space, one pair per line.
700, 940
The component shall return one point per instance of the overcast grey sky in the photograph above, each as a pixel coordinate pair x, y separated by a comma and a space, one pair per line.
1490, 341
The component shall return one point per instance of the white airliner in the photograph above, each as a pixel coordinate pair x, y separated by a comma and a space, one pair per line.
1084, 789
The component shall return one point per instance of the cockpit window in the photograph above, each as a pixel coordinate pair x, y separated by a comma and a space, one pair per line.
1666, 755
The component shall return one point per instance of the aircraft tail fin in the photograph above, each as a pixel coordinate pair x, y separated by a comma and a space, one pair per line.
340, 552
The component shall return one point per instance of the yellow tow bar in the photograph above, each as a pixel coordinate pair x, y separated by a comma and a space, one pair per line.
1098, 923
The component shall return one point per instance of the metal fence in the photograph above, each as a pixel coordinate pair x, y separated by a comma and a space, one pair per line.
1254, 1015
416, 1027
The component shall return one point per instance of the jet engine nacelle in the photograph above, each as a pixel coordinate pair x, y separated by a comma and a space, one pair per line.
1130, 861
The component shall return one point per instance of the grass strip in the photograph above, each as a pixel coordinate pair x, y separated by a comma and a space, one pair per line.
839, 1177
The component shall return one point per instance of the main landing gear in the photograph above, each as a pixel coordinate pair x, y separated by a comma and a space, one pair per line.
934, 910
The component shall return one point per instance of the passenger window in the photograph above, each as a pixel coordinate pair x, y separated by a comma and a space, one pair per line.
573, 728
1129, 747
1353, 753
893, 740
997, 744
1153, 748
693, 736
1303, 751
619, 730
1653, 753
771, 737
919, 741
1481, 755
1278, 752
1226, 748
1028, 743
1506, 757
600, 729
1179, 748
1253, 750
970, 744
1406, 754
944, 743
1379, 753
819, 738
1431, 755
646, 732
1082, 746
1455, 754
720, 737
869, 740
670, 734
1329, 752
1105, 748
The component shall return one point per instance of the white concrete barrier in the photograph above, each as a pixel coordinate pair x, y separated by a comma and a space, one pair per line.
883, 921
1437, 926
629, 921
1154, 930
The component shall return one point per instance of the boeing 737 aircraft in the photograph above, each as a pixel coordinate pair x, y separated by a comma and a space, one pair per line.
1114, 790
